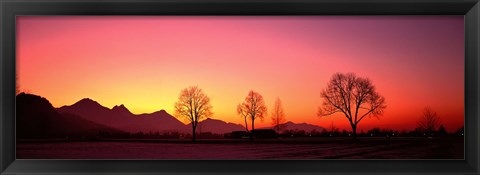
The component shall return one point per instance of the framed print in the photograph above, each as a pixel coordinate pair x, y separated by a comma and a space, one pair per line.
239, 87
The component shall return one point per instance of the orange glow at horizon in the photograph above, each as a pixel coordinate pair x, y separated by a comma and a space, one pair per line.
144, 62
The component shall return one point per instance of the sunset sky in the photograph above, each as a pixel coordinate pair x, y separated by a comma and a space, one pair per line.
144, 62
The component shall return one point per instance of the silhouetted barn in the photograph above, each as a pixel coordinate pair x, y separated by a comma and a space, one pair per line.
264, 134
237, 135
257, 134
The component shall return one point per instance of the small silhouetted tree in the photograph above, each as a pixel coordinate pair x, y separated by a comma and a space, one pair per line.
353, 96
278, 116
252, 108
429, 121
442, 131
193, 105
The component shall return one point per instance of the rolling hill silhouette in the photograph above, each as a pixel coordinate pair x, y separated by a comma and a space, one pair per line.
300, 126
218, 126
37, 118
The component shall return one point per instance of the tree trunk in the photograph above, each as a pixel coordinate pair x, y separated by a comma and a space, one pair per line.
193, 132
253, 125
354, 132
246, 125
251, 131
278, 126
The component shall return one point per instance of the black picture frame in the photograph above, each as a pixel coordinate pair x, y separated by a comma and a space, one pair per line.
9, 9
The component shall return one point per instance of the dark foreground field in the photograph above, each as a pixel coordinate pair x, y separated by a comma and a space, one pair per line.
317, 148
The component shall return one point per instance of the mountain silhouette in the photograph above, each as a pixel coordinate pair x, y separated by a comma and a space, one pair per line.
121, 118
299, 126
121, 110
93, 111
218, 126
37, 113
37, 118
159, 121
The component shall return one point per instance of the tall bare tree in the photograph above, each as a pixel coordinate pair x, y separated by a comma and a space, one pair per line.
252, 108
278, 115
429, 121
192, 106
353, 96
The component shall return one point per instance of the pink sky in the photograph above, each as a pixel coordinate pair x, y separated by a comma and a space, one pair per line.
143, 62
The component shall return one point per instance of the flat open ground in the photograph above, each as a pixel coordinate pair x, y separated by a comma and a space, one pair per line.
308, 148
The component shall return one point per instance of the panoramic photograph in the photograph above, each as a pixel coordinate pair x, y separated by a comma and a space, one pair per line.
240, 87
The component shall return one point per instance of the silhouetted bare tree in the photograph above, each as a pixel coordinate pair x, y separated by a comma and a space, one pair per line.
353, 96
193, 105
253, 107
278, 116
429, 121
